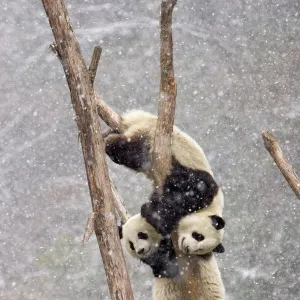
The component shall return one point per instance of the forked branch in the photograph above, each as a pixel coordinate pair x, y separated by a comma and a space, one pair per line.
82, 97
167, 95
114, 120
282, 163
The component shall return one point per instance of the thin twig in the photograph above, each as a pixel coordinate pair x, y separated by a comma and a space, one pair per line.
119, 205
89, 228
167, 96
82, 97
94, 63
282, 163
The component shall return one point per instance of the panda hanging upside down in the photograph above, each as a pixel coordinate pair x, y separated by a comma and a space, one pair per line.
189, 185
191, 202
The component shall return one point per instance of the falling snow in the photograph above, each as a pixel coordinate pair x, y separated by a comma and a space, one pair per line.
237, 70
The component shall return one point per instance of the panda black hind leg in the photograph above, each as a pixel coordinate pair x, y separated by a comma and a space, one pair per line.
132, 152
184, 191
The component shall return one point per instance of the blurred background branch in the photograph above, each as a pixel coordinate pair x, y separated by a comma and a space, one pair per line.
282, 163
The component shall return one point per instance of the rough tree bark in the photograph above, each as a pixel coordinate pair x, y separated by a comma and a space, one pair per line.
82, 97
86, 103
282, 163
167, 95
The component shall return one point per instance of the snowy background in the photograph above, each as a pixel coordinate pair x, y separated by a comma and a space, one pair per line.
237, 68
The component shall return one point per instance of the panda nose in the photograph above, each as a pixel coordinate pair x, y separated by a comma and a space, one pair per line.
141, 251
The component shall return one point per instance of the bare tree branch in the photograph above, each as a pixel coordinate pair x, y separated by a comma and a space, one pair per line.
167, 97
94, 63
282, 163
109, 116
89, 228
82, 97
114, 121
120, 208
118, 201
120, 205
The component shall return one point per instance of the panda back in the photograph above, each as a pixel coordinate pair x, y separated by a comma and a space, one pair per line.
188, 153
135, 117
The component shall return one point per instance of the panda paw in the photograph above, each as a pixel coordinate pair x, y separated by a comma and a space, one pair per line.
170, 270
132, 152
152, 212
163, 262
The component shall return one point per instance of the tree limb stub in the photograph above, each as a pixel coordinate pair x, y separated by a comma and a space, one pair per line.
282, 163
120, 205
94, 63
82, 97
106, 113
167, 95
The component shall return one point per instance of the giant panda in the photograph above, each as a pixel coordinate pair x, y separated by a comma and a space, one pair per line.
200, 233
143, 242
194, 272
189, 185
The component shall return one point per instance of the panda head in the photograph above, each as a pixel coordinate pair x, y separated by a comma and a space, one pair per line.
200, 233
140, 238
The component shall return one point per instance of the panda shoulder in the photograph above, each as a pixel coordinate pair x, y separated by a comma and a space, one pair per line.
140, 123
188, 152
138, 116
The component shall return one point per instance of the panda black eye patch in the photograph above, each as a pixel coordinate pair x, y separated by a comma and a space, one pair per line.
197, 236
142, 236
131, 245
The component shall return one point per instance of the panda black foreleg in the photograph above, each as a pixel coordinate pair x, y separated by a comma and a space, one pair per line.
163, 262
192, 189
130, 152
162, 214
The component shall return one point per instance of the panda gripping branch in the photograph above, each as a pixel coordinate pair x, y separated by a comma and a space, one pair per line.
189, 185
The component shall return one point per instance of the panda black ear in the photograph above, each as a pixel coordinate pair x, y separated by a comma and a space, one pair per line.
120, 228
217, 222
219, 249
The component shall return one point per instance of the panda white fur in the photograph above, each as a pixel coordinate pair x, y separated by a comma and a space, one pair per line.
201, 232
189, 185
200, 280
187, 276
142, 241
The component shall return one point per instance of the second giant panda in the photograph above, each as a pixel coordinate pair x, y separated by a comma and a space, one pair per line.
189, 185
